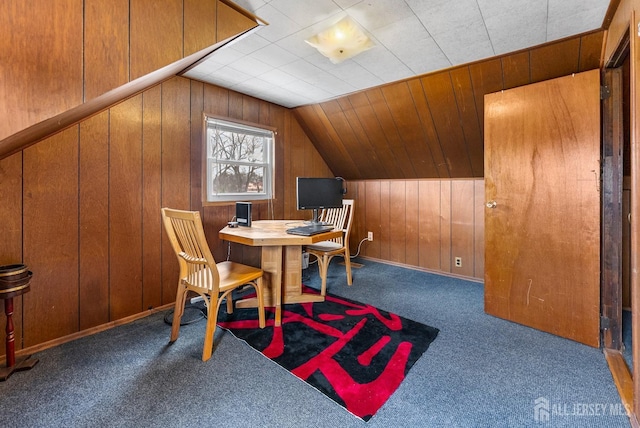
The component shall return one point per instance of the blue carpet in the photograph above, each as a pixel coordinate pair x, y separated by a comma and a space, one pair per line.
627, 350
480, 372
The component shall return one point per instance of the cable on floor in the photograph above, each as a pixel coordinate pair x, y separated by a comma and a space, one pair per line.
191, 314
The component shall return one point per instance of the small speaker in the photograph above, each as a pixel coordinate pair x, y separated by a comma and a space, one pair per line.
243, 213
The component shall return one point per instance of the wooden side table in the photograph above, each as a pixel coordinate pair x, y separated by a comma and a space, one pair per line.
14, 281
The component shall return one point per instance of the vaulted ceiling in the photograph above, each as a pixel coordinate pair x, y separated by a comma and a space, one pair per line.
410, 37
432, 126
412, 106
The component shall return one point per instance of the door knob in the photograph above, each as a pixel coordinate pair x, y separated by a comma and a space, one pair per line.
492, 204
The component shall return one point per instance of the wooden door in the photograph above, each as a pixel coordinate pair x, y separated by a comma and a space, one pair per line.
542, 235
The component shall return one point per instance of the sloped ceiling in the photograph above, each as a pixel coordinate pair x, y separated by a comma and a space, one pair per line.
432, 126
410, 37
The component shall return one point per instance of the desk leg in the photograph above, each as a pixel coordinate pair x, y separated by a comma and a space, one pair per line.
293, 278
274, 280
271, 282
272, 266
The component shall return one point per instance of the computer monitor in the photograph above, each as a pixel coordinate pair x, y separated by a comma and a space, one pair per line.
318, 193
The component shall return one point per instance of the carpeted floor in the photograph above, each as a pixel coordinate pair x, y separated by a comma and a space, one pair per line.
626, 338
481, 371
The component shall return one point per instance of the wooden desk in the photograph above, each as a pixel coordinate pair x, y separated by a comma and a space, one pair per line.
281, 260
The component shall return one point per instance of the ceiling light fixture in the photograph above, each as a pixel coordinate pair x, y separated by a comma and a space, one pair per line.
342, 41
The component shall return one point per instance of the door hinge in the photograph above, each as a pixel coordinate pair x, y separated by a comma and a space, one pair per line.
605, 92
605, 323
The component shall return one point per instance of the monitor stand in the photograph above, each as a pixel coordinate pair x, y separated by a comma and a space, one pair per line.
315, 221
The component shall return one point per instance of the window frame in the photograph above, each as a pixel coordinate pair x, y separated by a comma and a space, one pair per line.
211, 198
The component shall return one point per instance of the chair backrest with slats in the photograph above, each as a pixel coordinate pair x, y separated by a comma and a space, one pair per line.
340, 218
186, 234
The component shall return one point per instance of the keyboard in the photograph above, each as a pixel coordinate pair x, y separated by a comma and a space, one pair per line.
309, 230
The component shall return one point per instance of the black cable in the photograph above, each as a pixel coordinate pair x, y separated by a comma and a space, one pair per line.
196, 316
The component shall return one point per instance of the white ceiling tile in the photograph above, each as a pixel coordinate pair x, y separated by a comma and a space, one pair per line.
504, 18
307, 89
384, 65
277, 77
221, 81
258, 88
376, 14
251, 66
559, 29
560, 9
250, 44
279, 26
457, 28
357, 76
565, 20
289, 98
275, 56
466, 45
225, 55
335, 85
196, 74
444, 16
296, 45
422, 56
231, 74
209, 66
401, 32
412, 45
318, 79
307, 13
301, 67
345, 4
323, 63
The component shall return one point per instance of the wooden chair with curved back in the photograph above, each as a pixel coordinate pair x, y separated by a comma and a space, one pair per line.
340, 218
200, 273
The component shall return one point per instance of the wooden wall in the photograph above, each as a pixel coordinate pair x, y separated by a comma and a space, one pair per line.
82, 208
96, 46
431, 126
625, 22
421, 223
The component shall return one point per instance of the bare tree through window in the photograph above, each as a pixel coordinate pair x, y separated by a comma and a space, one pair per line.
238, 161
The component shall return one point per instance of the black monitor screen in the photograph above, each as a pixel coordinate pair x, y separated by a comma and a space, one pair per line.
319, 193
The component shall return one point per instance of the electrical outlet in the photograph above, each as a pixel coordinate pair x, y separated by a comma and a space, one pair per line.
370, 236
458, 261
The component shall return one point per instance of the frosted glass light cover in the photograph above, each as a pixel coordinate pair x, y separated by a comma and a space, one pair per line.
342, 41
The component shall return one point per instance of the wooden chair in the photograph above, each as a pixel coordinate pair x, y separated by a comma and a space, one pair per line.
340, 218
200, 273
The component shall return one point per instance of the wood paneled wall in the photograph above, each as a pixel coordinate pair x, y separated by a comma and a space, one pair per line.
41, 63
96, 46
82, 208
421, 223
431, 126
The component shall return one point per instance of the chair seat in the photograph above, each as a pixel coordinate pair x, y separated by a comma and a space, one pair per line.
324, 246
232, 274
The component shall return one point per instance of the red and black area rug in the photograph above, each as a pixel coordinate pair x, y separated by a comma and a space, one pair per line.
354, 353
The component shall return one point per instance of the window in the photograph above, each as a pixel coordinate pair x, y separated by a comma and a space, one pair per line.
239, 161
